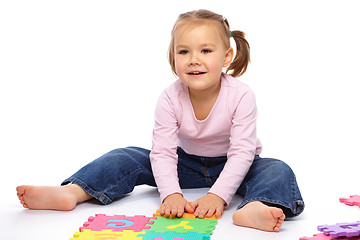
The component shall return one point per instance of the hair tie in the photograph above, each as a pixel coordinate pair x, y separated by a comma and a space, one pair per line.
231, 34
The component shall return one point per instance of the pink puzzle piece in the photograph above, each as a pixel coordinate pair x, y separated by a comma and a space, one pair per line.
353, 200
118, 223
321, 236
341, 229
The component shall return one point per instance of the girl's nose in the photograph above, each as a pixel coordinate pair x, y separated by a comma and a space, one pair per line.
194, 60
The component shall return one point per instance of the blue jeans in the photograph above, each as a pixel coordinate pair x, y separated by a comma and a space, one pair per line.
117, 173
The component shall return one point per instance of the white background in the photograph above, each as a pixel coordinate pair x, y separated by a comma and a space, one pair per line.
80, 78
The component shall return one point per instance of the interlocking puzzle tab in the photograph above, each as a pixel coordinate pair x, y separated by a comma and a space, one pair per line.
341, 229
118, 223
353, 200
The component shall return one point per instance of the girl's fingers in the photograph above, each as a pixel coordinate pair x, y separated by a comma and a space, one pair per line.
180, 212
189, 208
210, 212
162, 209
219, 212
194, 205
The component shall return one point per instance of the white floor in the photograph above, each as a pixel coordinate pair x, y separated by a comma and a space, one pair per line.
19, 223
80, 78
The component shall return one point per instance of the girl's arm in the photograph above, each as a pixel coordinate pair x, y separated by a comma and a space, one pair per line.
243, 145
164, 159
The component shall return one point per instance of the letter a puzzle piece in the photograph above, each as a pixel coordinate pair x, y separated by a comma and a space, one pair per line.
353, 200
184, 225
341, 229
87, 234
150, 235
118, 223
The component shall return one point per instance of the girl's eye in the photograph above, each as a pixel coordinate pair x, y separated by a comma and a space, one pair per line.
206, 51
183, 52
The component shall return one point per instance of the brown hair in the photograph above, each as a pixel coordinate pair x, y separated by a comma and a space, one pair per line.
242, 57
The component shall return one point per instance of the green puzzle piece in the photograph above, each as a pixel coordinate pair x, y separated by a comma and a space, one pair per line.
184, 225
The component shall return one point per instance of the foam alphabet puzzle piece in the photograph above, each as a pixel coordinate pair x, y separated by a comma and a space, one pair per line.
351, 201
87, 234
184, 225
322, 236
150, 235
118, 223
319, 236
185, 215
341, 229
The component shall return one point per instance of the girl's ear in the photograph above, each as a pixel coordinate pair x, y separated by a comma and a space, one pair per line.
228, 57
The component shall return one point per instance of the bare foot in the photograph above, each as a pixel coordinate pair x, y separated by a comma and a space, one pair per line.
62, 198
260, 216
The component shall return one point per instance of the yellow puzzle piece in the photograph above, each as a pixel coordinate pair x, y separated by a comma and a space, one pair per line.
87, 234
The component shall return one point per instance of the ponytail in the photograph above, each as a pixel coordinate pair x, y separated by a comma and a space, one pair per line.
242, 57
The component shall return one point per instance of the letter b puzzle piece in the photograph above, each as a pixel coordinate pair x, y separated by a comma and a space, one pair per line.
341, 229
87, 234
183, 225
118, 223
150, 235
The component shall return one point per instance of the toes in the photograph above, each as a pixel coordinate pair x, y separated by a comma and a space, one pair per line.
277, 212
24, 204
20, 190
279, 223
21, 197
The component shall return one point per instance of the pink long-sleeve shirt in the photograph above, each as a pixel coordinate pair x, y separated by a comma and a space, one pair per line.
229, 130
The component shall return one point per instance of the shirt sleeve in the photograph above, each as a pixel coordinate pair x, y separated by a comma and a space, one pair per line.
243, 143
163, 156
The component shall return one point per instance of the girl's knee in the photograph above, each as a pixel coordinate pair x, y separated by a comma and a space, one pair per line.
284, 167
278, 168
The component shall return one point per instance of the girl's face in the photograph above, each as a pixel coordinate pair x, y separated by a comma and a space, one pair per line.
200, 56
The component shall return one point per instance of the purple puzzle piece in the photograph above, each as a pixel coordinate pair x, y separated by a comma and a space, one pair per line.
341, 229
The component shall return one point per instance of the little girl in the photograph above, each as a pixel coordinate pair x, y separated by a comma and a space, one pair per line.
204, 136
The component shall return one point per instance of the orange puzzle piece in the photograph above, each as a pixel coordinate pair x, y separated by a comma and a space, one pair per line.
185, 215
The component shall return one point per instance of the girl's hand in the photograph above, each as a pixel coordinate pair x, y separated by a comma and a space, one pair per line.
209, 205
174, 205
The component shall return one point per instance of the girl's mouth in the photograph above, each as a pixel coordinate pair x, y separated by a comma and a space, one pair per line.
196, 73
